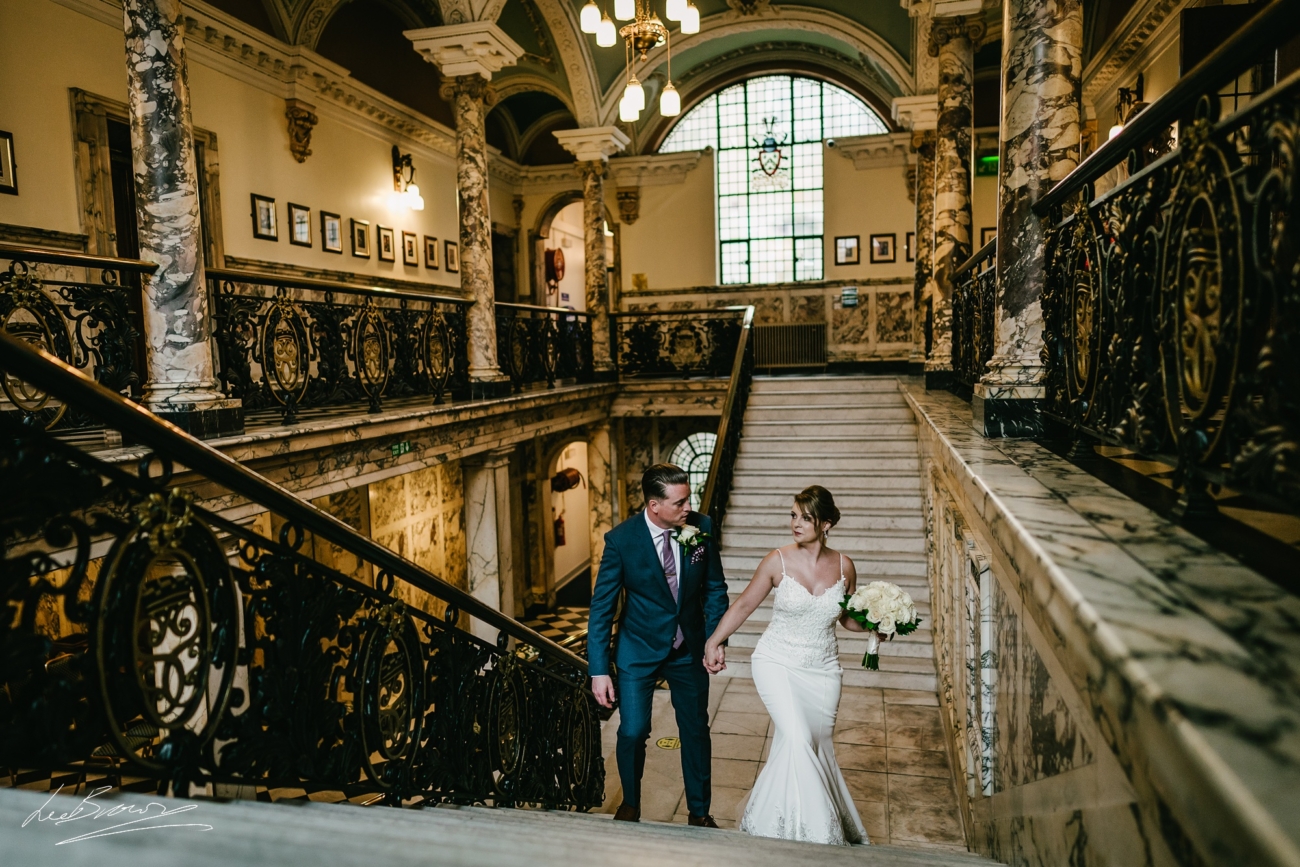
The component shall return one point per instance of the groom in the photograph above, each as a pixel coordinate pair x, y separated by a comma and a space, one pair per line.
676, 594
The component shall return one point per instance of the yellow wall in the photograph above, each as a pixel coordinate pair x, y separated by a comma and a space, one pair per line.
673, 241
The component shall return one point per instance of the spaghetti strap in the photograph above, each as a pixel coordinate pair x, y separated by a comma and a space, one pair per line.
841, 567
782, 556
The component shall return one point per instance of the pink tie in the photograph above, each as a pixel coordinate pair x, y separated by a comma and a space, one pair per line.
670, 572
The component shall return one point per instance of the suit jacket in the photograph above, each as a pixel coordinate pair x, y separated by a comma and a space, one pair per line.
632, 562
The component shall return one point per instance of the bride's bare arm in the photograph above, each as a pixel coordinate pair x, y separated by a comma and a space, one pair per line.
851, 578
759, 586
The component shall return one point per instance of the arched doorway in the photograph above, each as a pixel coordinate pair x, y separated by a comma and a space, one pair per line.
572, 569
559, 253
695, 455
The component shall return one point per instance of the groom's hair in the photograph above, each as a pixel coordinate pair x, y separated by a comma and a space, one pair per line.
655, 481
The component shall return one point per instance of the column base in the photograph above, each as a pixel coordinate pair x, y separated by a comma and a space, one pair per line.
220, 419
938, 380
996, 417
490, 389
916, 368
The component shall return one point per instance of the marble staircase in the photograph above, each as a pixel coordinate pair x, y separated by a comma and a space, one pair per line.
857, 437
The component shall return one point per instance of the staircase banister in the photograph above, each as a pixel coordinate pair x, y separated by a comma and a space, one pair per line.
728, 410
21, 253
540, 308
22, 360
981, 255
710, 312
229, 275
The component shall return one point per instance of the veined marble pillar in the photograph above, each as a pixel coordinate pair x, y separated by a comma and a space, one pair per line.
592, 147
952, 42
600, 489
489, 547
467, 55
923, 287
182, 384
1042, 71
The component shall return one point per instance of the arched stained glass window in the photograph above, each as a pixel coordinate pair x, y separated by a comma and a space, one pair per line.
695, 455
767, 133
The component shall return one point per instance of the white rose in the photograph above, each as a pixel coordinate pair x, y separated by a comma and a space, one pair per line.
687, 533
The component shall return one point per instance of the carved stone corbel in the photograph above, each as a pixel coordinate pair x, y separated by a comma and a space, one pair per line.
302, 120
629, 204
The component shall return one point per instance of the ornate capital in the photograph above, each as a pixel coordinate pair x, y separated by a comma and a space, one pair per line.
923, 143
598, 168
302, 119
474, 48
945, 30
597, 143
473, 86
629, 204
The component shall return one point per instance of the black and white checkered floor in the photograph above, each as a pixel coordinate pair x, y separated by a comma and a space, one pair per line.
561, 623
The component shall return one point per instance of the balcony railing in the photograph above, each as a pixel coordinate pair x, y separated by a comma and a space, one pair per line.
1172, 307
543, 344
148, 636
85, 311
717, 489
677, 343
292, 344
973, 298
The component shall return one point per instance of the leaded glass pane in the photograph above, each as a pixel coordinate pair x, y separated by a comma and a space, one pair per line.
733, 172
696, 131
807, 212
808, 258
768, 106
733, 218
807, 110
806, 162
771, 260
769, 215
735, 262
844, 114
731, 118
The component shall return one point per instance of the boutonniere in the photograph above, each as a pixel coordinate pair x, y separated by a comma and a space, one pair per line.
692, 539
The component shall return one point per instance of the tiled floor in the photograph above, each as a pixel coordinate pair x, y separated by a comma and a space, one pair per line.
889, 744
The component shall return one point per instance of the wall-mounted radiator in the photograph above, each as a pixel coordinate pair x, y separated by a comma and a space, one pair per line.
797, 345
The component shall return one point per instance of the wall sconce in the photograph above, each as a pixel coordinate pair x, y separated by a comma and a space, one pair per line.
1128, 102
406, 193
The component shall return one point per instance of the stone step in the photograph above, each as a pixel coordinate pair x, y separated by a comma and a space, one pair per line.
780, 445
829, 384
754, 463
828, 401
855, 545
763, 613
794, 481
877, 568
848, 500
777, 520
891, 659
917, 645
857, 676
814, 413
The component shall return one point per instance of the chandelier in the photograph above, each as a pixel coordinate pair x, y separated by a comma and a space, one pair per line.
646, 31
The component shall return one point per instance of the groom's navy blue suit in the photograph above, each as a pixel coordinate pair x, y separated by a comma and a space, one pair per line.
645, 651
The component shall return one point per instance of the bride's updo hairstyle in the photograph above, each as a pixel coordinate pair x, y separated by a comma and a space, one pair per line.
817, 503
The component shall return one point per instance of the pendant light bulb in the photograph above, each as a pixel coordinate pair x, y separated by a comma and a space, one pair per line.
627, 112
606, 35
691, 19
635, 94
590, 18
675, 9
670, 101
624, 10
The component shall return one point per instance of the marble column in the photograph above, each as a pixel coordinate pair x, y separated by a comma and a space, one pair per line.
923, 287
592, 147
182, 385
1042, 69
467, 55
489, 545
600, 489
952, 42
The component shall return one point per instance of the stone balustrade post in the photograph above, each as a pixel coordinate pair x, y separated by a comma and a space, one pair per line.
1042, 85
181, 383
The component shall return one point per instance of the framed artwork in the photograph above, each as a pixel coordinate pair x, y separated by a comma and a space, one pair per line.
410, 249
909, 246
299, 225
988, 233
8, 165
431, 252
882, 248
264, 225
331, 233
453, 257
848, 250
361, 238
387, 244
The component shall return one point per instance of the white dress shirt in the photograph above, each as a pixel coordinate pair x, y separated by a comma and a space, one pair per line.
657, 537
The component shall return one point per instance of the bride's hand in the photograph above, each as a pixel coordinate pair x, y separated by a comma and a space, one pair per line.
714, 657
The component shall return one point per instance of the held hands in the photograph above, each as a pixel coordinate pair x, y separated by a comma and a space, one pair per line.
602, 687
715, 657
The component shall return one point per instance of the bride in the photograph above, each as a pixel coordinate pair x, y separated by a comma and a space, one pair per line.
801, 794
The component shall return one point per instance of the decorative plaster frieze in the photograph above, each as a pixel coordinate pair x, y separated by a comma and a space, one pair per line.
917, 113
472, 48
656, 169
876, 151
1149, 26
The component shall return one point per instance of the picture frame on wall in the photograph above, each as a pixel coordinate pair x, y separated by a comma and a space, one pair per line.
848, 250
909, 246
410, 249
264, 223
431, 252
883, 248
299, 225
387, 243
8, 165
988, 233
453, 257
331, 232
360, 238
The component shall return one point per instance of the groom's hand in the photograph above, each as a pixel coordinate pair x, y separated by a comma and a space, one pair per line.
602, 686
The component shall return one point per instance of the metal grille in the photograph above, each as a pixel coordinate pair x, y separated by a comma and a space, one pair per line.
799, 345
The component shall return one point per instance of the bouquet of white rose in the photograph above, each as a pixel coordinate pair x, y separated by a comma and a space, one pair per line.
884, 609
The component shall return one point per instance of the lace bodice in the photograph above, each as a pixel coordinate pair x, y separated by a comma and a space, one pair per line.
802, 631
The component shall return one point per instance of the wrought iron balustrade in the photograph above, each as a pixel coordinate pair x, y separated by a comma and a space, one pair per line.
84, 310
973, 298
1172, 306
145, 635
722, 467
677, 343
543, 344
290, 344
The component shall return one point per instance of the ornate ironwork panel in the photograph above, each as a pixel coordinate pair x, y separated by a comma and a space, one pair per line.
974, 297
682, 343
543, 344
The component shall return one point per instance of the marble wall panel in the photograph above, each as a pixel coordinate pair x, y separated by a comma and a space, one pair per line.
893, 317
807, 308
851, 325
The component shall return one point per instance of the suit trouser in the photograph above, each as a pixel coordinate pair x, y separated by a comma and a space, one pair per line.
688, 685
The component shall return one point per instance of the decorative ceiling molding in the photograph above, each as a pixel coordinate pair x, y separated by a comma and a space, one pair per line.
518, 179
896, 71
655, 170
575, 57
882, 151
1147, 28
467, 11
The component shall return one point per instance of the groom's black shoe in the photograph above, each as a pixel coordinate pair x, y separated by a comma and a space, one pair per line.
627, 814
705, 821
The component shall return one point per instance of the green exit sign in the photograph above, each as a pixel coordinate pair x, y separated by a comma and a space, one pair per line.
987, 166
401, 448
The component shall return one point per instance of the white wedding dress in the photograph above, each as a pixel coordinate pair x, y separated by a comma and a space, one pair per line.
801, 794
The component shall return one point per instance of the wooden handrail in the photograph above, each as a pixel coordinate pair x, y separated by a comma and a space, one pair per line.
728, 409
61, 257
233, 276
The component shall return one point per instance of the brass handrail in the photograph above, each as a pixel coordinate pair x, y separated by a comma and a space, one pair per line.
737, 390
59, 257
233, 276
